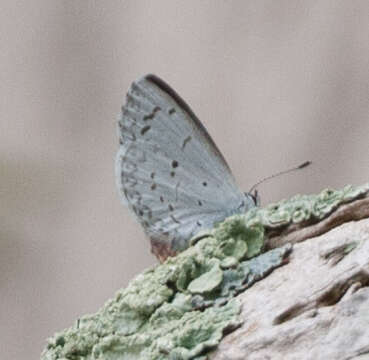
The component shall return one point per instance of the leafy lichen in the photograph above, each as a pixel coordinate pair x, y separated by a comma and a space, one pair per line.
305, 208
180, 309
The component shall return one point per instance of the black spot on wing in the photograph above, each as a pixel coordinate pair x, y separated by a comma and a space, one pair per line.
152, 114
145, 129
186, 141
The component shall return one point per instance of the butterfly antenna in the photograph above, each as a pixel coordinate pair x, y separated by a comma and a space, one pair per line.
303, 165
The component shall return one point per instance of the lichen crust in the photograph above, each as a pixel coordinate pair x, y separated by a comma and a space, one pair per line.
182, 308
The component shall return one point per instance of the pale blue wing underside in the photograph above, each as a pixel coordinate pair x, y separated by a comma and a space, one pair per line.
169, 171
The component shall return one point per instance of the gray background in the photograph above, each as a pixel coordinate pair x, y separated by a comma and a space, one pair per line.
275, 83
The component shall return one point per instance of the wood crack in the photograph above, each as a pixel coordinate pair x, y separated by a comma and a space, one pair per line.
296, 233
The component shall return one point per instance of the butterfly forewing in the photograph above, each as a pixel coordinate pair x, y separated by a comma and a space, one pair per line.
169, 170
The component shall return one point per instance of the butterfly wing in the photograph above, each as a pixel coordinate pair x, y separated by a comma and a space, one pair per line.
169, 170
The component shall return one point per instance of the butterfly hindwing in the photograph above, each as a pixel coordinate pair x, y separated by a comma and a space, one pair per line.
169, 170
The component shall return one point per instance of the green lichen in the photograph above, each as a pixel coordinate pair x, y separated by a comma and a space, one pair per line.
239, 278
180, 309
207, 281
177, 310
305, 208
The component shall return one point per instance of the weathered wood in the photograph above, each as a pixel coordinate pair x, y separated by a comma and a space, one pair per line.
316, 306
306, 297
356, 210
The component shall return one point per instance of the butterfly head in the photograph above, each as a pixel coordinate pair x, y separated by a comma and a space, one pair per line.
249, 201
252, 199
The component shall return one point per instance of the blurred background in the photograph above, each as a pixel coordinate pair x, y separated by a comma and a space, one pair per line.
275, 83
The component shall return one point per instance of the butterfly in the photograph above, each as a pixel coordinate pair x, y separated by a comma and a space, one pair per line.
169, 171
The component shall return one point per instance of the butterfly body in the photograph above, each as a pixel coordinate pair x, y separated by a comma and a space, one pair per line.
169, 171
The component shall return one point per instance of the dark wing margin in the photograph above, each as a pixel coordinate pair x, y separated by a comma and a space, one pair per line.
163, 86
